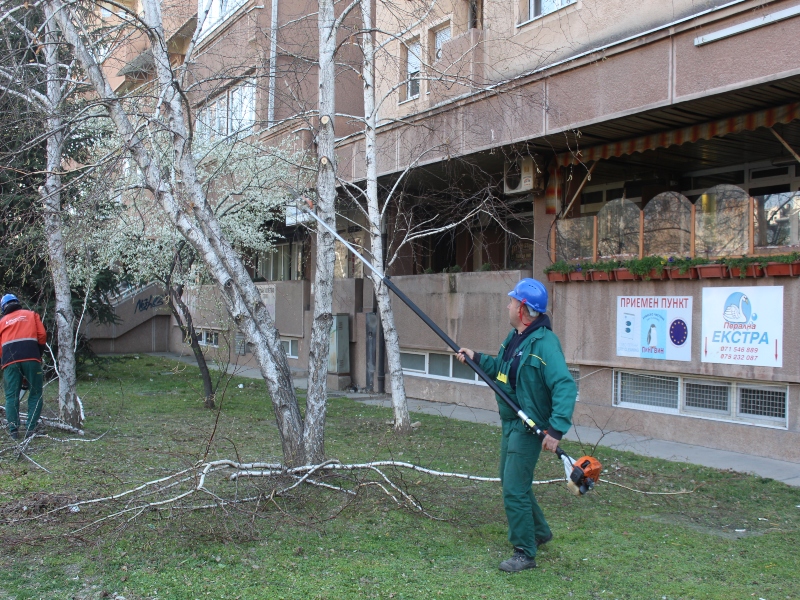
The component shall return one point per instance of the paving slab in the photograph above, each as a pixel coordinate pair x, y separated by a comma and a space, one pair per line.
780, 470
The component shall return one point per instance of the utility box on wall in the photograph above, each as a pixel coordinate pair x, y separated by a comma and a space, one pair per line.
339, 356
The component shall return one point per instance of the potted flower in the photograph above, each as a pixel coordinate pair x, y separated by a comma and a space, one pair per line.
648, 267
745, 266
623, 273
682, 268
604, 270
559, 271
581, 272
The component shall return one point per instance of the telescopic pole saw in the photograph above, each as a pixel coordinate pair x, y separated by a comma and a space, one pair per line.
581, 475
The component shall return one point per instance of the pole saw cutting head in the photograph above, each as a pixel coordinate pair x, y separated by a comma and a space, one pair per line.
582, 474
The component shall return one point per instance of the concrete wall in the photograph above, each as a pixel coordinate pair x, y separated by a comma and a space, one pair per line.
150, 336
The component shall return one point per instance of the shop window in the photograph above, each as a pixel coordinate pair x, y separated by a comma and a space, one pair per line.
618, 229
437, 366
721, 221
575, 238
718, 399
668, 225
291, 347
413, 65
777, 219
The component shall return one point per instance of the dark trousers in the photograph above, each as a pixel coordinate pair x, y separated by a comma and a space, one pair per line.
519, 452
12, 376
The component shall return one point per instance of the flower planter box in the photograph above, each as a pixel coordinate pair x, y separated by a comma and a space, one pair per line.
602, 275
775, 269
712, 271
654, 275
675, 273
796, 268
749, 271
625, 275
557, 277
578, 276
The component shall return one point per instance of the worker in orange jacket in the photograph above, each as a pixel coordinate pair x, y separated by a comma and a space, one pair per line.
23, 339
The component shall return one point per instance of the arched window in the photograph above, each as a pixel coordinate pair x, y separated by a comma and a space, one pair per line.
618, 229
668, 225
722, 221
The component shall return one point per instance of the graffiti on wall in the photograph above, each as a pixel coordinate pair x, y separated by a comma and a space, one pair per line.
145, 304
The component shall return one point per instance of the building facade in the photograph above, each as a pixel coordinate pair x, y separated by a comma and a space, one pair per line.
585, 132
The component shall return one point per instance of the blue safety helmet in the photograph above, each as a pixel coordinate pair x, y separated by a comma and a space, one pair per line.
6, 300
531, 292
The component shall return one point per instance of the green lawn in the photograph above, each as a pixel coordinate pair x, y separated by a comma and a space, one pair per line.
613, 543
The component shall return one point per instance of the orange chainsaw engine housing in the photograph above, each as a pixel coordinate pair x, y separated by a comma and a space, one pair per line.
585, 474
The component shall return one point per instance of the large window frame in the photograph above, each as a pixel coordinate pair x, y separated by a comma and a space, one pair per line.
413, 68
219, 12
283, 263
231, 113
684, 388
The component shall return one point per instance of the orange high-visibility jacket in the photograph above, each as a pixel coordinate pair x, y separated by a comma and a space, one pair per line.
22, 336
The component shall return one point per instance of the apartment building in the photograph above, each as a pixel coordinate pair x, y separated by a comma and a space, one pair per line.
590, 131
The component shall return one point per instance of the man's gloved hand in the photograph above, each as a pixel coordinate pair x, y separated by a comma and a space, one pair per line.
25, 384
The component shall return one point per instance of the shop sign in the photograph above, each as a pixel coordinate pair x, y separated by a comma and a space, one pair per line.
655, 327
743, 326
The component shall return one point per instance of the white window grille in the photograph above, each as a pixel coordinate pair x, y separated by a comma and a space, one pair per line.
241, 344
576, 375
720, 399
440, 38
436, 365
647, 390
413, 65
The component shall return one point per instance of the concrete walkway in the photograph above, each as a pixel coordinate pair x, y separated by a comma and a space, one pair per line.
786, 472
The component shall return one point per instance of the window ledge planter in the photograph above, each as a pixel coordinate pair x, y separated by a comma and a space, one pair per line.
655, 275
749, 271
579, 276
675, 273
602, 275
712, 271
557, 277
624, 274
779, 269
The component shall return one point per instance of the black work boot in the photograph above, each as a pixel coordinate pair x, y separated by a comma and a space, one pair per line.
544, 540
519, 562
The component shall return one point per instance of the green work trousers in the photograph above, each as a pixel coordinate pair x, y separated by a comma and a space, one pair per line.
12, 376
519, 452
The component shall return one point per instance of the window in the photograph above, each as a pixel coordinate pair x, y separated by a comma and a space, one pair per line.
231, 113
440, 38
576, 375
218, 11
241, 344
719, 399
531, 9
208, 338
413, 64
291, 347
284, 263
437, 366
105, 13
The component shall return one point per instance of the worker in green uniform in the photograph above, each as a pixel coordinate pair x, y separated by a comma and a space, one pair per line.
530, 367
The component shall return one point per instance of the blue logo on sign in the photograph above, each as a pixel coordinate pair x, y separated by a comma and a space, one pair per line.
678, 332
738, 308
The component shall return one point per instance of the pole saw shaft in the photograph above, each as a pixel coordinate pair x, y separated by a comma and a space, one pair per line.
529, 423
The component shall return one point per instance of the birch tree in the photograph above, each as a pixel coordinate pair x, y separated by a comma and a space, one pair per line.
182, 197
48, 96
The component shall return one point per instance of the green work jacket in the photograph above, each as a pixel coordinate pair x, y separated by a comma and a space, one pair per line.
545, 388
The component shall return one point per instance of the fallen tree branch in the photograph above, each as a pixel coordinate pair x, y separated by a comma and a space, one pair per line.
54, 423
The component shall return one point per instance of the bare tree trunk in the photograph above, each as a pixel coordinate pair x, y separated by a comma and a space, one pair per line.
402, 422
193, 216
69, 408
316, 402
183, 316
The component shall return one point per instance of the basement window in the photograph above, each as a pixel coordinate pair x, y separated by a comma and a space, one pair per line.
717, 399
435, 365
291, 347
